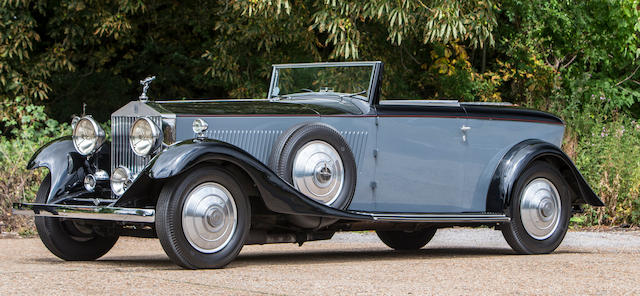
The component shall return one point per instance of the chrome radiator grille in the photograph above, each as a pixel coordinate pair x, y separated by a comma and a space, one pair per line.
121, 153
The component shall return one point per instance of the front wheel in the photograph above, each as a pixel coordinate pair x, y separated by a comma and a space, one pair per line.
540, 210
203, 218
72, 239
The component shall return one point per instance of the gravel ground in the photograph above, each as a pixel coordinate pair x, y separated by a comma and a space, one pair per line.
458, 261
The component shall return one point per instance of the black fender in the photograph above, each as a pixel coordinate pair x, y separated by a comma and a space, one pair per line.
518, 158
278, 195
63, 162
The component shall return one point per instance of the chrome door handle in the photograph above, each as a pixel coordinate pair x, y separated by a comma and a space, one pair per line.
464, 130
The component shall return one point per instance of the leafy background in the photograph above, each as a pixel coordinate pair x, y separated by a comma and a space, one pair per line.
577, 59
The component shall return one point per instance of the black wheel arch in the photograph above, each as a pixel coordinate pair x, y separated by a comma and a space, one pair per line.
66, 166
277, 195
519, 158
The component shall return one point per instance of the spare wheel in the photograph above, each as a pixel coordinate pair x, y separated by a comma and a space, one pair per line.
316, 160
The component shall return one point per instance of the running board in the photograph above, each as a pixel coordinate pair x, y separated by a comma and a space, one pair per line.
439, 218
85, 212
148, 215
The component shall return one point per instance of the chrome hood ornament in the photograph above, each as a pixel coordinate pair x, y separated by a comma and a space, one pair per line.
145, 86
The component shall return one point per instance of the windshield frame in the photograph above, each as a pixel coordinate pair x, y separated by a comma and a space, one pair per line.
373, 80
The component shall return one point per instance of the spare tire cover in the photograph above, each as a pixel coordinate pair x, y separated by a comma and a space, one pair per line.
316, 160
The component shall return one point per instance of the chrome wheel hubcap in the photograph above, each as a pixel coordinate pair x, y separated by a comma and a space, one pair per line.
209, 217
540, 208
318, 171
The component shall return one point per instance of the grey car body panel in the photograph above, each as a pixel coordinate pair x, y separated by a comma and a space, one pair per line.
487, 143
427, 162
419, 166
423, 165
257, 135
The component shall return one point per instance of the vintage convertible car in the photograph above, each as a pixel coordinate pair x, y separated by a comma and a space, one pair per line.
322, 153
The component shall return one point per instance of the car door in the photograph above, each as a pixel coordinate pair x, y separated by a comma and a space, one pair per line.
419, 166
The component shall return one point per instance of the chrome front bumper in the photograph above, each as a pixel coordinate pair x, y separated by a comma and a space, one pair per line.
85, 212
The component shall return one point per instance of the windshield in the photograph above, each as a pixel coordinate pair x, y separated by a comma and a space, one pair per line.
337, 80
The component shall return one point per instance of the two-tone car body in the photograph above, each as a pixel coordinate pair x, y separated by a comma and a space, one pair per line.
322, 153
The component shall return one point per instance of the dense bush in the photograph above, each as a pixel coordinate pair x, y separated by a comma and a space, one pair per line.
609, 157
577, 59
16, 183
606, 148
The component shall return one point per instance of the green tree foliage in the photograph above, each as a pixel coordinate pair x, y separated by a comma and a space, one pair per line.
578, 59
585, 62
70, 52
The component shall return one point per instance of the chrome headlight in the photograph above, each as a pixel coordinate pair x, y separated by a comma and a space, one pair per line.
88, 136
120, 180
145, 137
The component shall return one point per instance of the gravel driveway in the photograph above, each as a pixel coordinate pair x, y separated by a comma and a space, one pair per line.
458, 261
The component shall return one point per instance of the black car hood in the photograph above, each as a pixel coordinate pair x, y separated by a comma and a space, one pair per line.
283, 107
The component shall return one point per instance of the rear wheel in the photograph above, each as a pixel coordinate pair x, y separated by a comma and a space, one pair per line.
72, 239
540, 210
407, 240
203, 218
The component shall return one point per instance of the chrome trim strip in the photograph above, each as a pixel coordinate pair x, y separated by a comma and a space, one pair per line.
488, 103
272, 83
206, 100
327, 64
85, 212
442, 103
438, 218
454, 103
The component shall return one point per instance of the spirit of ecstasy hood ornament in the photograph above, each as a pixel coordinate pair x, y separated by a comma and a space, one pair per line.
145, 86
